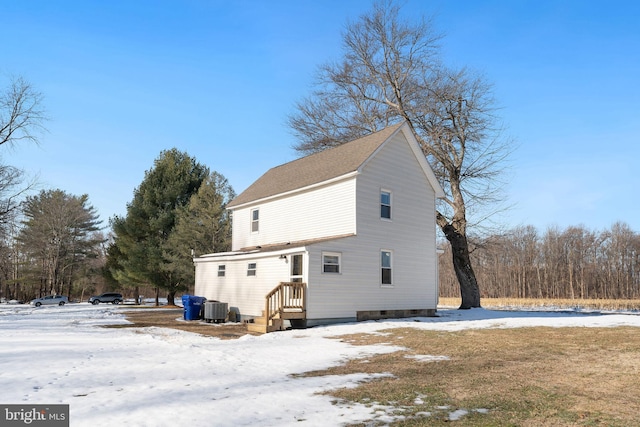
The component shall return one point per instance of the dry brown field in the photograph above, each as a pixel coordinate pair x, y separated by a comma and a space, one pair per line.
505, 377
586, 304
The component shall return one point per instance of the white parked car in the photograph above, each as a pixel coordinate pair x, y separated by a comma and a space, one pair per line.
50, 300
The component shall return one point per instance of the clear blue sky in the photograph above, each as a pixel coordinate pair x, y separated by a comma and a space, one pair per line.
124, 80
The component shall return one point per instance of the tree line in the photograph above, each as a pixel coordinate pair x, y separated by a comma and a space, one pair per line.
51, 244
54, 243
574, 262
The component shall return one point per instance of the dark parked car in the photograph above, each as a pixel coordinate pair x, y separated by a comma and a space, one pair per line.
111, 297
50, 300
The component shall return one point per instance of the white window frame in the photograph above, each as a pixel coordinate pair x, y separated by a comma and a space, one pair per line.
252, 271
222, 270
385, 191
339, 264
383, 267
255, 222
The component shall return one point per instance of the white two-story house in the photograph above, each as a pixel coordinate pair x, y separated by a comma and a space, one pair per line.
350, 229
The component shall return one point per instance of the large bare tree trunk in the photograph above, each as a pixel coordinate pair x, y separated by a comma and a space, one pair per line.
469, 290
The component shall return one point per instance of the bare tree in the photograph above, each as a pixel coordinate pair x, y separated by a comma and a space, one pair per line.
572, 263
12, 188
21, 116
10, 258
21, 112
389, 73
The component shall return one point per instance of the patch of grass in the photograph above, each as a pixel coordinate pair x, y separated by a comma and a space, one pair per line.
519, 377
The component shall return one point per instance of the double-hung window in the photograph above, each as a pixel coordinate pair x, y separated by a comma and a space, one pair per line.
385, 204
222, 270
251, 269
386, 268
255, 220
331, 262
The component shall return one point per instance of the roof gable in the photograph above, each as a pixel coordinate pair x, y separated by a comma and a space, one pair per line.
323, 166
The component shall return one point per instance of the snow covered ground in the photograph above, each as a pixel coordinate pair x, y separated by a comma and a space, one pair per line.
165, 377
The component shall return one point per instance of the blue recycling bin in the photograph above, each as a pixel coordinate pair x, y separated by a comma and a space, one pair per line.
185, 303
192, 306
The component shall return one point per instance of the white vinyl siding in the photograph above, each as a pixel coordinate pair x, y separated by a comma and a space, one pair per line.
411, 237
242, 293
325, 211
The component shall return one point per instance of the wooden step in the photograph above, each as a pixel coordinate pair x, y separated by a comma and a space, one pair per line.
260, 325
257, 328
294, 314
259, 320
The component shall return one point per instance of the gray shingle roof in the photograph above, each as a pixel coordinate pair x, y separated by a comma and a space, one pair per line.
315, 168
